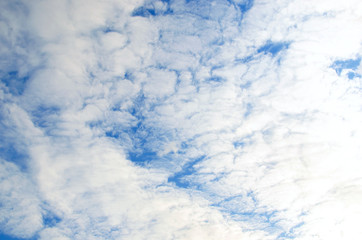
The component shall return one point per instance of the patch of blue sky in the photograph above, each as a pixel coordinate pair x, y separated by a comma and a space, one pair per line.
349, 64
125, 136
9, 237
136, 111
10, 152
142, 157
14, 82
129, 76
42, 116
220, 41
239, 144
108, 29
273, 48
244, 5
143, 12
216, 67
115, 132
50, 219
11, 149
215, 79
150, 10
142, 141
352, 75
244, 60
182, 178
15, 64
146, 145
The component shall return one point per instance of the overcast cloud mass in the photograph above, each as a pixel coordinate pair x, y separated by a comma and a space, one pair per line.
181, 119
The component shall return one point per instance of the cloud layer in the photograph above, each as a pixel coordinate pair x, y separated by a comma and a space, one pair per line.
180, 119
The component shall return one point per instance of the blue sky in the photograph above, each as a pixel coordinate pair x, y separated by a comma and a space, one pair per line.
180, 119
7, 237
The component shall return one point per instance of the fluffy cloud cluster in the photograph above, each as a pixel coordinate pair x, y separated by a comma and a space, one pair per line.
180, 119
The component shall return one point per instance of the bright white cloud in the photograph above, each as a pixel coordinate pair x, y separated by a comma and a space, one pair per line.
181, 119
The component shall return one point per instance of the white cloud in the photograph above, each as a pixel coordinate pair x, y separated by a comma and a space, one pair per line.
268, 142
20, 206
159, 83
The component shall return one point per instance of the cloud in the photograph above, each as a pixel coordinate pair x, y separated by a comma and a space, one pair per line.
20, 206
180, 120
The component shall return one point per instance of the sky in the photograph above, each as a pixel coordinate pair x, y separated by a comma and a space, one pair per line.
180, 119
